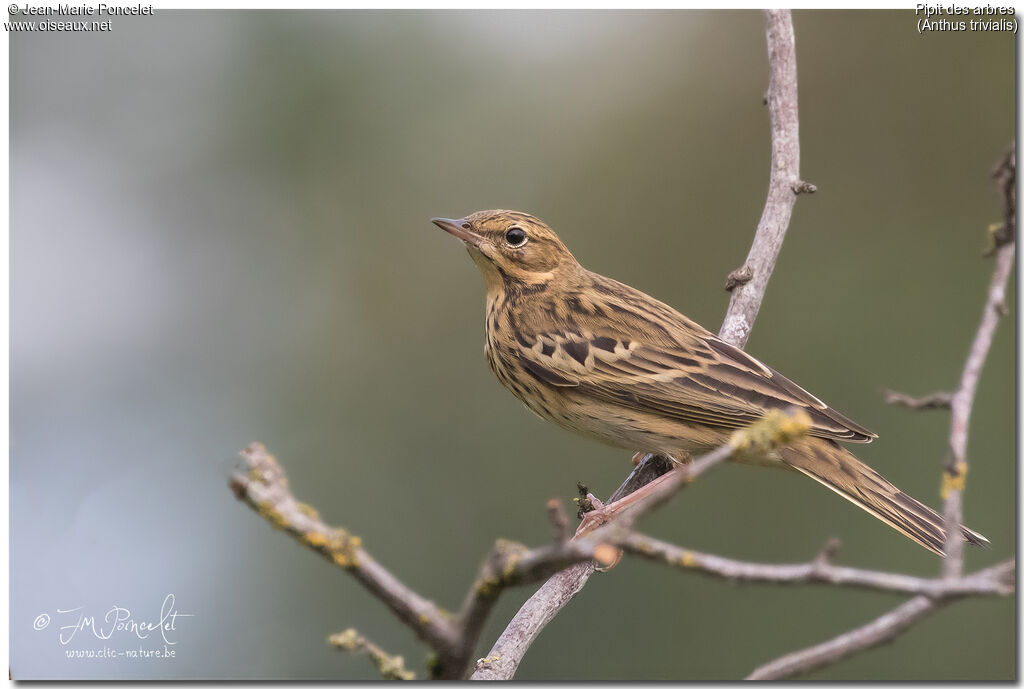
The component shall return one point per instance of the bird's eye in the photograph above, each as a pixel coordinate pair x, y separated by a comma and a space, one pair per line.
515, 236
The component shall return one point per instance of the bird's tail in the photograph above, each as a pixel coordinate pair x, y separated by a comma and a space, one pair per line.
833, 466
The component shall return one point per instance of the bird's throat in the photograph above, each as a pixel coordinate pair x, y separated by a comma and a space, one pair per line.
493, 279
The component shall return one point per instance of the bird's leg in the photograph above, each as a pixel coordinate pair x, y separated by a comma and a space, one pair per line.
602, 514
593, 519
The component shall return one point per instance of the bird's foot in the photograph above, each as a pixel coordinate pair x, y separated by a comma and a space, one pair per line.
597, 516
600, 515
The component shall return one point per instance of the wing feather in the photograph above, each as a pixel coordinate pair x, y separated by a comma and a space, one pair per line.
693, 377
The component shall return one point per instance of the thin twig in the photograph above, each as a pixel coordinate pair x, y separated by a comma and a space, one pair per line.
988, 582
748, 283
744, 304
389, 666
832, 651
559, 520
955, 473
265, 488
890, 625
935, 400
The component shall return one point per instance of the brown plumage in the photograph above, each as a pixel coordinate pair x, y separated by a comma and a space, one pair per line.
608, 361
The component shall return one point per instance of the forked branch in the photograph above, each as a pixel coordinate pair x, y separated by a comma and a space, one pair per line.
264, 487
954, 474
992, 581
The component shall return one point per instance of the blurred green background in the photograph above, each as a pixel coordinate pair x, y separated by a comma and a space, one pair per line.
220, 233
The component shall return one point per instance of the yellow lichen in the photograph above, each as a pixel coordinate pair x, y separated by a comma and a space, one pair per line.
342, 547
487, 586
393, 667
316, 539
348, 639
308, 510
390, 667
510, 566
954, 481
268, 511
687, 560
775, 428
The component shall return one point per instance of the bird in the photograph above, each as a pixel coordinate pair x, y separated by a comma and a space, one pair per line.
607, 361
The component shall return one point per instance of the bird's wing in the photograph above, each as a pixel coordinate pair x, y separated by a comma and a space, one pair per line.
693, 377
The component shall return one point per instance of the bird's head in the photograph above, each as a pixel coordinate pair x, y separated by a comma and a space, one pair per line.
512, 249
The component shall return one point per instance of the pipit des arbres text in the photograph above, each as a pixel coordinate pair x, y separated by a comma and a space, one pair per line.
600, 358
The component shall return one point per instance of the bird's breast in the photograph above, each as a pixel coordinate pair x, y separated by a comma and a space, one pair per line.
503, 360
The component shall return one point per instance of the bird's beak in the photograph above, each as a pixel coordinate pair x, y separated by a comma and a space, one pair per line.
458, 228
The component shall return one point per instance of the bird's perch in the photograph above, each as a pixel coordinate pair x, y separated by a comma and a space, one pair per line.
749, 282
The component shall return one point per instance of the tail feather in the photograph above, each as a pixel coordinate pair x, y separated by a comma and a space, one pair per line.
833, 466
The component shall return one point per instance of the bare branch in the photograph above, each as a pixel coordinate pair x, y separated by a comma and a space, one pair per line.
542, 607
935, 400
783, 186
609, 526
264, 487
389, 666
1005, 174
996, 580
744, 304
955, 473
875, 632
559, 520
893, 623
508, 564
988, 582
878, 631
